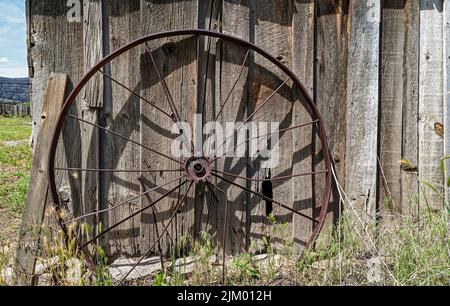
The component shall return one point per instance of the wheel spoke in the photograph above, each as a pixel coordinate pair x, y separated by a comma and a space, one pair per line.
137, 95
118, 170
208, 184
148, 196
253, 114
279, 178
241, 71
175, 213
123, 137
265, 198
134, 214
169, 97
123, 203
156, 224
172, 106
264, 135
198, 89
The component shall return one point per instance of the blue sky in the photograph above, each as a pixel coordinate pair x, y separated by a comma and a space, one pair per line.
13, 52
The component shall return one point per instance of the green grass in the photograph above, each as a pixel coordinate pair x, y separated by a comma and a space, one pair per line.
15, 162
14, 129
15, 157
13, 191
15, 166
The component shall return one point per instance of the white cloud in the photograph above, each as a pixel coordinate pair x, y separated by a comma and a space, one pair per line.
12, 39
12, 14
14, 72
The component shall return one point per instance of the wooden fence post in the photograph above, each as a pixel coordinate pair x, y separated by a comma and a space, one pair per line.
38, 194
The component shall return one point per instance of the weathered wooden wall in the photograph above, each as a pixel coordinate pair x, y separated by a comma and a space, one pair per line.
374, 68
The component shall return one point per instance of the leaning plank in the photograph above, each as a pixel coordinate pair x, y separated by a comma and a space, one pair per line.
38, 194
362, 105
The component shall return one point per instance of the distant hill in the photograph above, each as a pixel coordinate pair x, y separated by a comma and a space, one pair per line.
14, 90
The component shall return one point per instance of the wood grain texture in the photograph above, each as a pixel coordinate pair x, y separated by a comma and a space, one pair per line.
176, 61
121, 114
410, 145
339, 50
391, 104
362, 105
38, 197
447, 95
303, 40
273, 33
236, 20
56, 45
91, 100
209, 15
331, 90
431, 98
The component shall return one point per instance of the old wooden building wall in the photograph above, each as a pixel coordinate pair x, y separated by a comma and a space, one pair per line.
375, 69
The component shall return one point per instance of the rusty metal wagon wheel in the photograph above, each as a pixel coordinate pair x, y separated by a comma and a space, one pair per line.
256, 88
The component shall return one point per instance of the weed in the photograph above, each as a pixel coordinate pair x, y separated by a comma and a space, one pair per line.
160, 279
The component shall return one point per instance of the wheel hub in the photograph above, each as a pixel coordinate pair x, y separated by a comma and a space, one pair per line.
198, 169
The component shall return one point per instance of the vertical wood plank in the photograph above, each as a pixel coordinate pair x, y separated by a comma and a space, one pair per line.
235, 21
410, 146
362, 105
121, 114
431, 98
273, 33
391, 103
56, 45
331, 88
176, 61
303, 31
92, 99
447, 98
206, 212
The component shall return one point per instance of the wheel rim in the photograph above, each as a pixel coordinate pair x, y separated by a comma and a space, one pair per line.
199, 168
